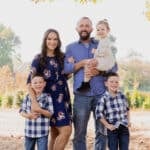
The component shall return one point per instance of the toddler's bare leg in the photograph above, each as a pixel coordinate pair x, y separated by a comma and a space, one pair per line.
86, 77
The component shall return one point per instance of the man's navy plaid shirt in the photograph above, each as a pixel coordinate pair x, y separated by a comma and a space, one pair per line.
37, 127
113, 109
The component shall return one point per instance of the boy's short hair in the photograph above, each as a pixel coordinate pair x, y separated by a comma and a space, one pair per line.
111, 74
37, 75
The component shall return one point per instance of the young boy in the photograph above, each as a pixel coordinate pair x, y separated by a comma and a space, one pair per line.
113, 111
37, 123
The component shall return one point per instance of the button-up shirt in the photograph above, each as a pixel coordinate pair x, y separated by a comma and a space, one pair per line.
80, 51
113, 109
37, 127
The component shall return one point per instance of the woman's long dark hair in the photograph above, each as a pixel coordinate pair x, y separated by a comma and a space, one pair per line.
57, 52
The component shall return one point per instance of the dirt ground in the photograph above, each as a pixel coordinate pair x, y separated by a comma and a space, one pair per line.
12, 125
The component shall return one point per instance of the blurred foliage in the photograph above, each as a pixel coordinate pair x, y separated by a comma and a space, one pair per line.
11, 81
7, 101
147, 4
80, 1
6, 80
147, 12
8, 42
135, 83
134, 73
138, 99
0, 101
19, 98
13, 86
12, 101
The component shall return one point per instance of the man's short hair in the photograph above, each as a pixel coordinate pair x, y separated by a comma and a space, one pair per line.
85, 17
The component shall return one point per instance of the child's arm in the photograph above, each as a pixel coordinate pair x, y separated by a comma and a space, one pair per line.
49, 110
128, 116
80, 64
45, 112
29, 115
100, 115
25, 111
107, 125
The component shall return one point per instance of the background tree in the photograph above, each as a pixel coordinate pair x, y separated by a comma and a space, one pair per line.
8, 42
134, 73
6, 80
147, 13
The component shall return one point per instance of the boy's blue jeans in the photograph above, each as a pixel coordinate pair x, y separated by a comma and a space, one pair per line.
83, 105
42, 143
118, 138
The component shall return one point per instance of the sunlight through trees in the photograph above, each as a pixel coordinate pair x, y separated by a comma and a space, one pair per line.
147, 5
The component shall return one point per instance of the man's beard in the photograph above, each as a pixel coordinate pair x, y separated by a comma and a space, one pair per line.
84, 37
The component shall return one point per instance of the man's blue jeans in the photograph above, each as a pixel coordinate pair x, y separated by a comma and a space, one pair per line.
118, 138
83, 105
42, 143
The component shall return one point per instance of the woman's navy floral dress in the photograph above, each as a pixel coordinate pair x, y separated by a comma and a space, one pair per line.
56, 86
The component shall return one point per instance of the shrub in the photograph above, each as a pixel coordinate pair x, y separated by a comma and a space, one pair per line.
7, 101
146, 104
0, 101
138, 99
10, 101
19, 98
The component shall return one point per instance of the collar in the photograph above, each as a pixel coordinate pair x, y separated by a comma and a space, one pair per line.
109, 95
92, 40
40, 97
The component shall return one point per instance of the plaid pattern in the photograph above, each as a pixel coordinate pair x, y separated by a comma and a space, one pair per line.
37, 127
113, 109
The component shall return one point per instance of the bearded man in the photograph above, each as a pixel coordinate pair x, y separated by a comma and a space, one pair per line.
85, 102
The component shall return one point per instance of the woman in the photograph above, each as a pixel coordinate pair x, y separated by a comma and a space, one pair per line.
50, 63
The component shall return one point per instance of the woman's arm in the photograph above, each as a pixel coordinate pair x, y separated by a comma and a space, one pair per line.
45, 112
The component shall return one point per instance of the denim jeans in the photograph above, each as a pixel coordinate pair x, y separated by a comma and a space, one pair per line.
42, 143
82, 107
118, 138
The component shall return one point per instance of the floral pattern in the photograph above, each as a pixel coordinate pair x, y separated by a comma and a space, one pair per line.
56, 86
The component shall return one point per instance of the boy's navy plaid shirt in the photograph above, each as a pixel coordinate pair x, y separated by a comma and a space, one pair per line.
113, 109
37, 127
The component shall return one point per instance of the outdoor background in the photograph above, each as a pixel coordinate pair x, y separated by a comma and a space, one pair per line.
22, 25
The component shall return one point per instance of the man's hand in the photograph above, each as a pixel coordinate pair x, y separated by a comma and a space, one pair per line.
85, 62
91, 68
94, 72
81, 64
